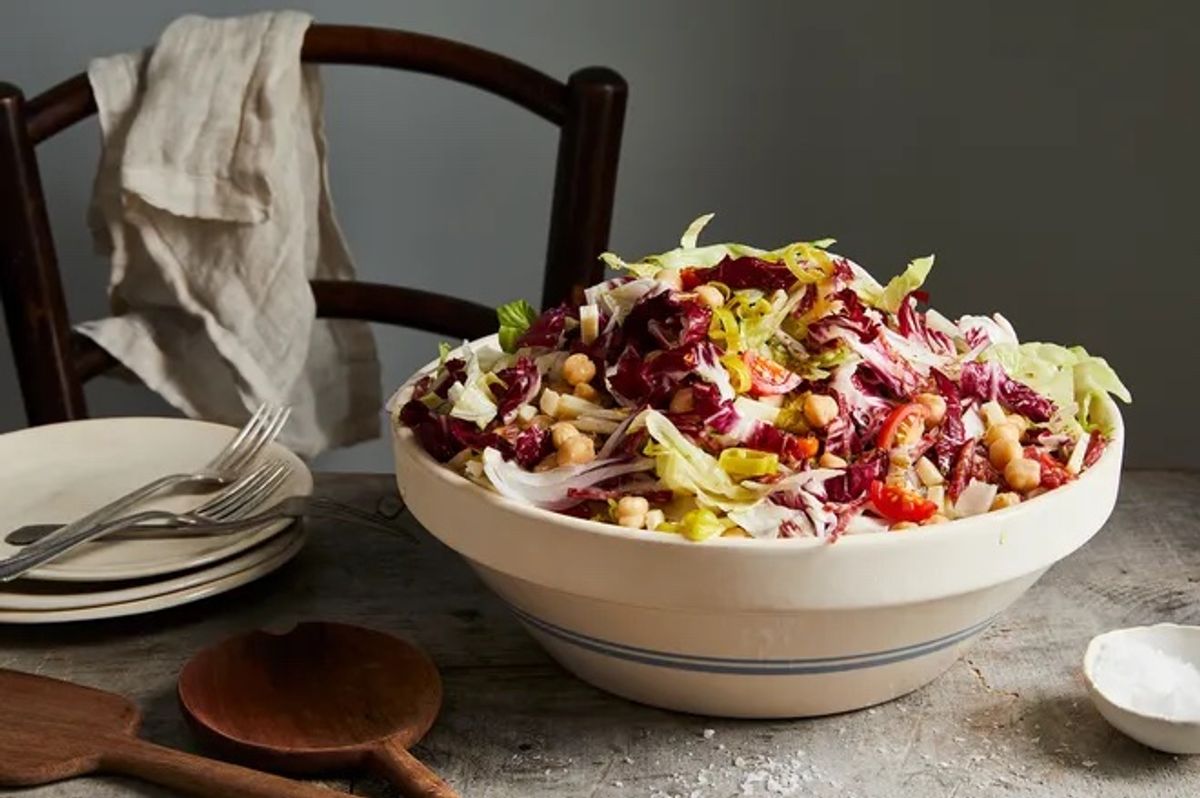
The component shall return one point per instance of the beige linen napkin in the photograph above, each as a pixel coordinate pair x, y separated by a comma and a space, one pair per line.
212, 198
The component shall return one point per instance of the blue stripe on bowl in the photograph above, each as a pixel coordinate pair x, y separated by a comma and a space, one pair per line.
748, 667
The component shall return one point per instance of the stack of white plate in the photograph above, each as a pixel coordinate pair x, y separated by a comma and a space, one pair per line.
59, 472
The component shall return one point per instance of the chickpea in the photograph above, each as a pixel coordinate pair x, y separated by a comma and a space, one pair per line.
578, 368
1003, 451
819, 409
631, 521
936, 518
1023, 474
1006, 499
684, 401
585, 391
900, 526
709, 296
562, 432
1003, 430
655, 519
577, 451
1020, 422
633, 505
936, 406
830, 460
671, 277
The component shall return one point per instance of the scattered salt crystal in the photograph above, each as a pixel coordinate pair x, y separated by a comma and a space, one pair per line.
1090, 763
709, 733
1141, 677
628, 760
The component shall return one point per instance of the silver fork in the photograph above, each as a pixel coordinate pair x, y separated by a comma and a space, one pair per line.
177, 527
229, 463
237, 501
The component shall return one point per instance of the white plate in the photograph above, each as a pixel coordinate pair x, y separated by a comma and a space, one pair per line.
59, 472
285, 547
25, 595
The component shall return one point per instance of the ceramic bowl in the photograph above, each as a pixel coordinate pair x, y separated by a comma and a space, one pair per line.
753, 628
1147, 727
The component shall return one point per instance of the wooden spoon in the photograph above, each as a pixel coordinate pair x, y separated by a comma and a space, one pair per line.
52, 730
324, 696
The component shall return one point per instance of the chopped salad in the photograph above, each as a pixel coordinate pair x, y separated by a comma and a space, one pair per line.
725, 390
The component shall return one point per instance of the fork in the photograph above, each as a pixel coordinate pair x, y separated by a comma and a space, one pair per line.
228, 464
237, 501
173, 525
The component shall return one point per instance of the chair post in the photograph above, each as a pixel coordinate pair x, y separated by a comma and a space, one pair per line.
585, 181
30, 286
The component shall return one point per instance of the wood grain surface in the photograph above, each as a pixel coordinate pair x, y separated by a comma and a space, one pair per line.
1010, 719
322, 697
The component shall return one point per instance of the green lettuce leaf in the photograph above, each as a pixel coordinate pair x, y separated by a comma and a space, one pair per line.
689, 254
471, 399
686, 468
1073, 379
892, 295
515, 318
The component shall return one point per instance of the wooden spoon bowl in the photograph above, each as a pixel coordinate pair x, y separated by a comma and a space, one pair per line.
322, 697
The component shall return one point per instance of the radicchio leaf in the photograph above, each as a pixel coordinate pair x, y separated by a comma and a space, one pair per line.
635, 380
952, 431
1096, 444
521, 383
548, 329
744, 272
913, 326
988, 381
666, 320
853, 485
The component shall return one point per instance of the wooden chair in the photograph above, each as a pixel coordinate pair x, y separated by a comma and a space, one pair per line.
53, 362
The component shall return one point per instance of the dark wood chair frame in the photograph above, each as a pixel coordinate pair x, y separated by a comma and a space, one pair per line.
52, 362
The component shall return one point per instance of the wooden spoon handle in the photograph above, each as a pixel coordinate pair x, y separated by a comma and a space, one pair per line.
394, 763
208, 778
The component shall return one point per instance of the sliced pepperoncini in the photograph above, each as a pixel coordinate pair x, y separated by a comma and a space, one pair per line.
742, 463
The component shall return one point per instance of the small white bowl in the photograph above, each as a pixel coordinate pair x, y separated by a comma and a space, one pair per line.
753, 628
1155, 730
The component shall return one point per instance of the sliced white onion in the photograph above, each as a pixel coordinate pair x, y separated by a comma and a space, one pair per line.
548, 489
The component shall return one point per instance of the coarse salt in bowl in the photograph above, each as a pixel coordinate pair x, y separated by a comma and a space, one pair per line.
753, 628
1145, 681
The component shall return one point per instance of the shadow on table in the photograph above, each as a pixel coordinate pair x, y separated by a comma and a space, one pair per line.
1069, 731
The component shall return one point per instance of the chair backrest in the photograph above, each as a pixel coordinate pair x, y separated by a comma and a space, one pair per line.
52, 362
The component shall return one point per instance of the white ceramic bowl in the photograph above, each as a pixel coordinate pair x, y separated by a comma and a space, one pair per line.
753, 628
1145, 726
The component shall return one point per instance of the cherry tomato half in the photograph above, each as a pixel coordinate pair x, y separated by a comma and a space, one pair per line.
768, 378
887, 433
897, 504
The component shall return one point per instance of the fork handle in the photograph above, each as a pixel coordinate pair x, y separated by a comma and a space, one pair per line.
59, 543
121, 504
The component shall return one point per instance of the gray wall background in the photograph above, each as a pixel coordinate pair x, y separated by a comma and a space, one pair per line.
1044, 151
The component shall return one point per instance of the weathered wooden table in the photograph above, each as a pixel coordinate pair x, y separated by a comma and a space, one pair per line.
1011, 718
